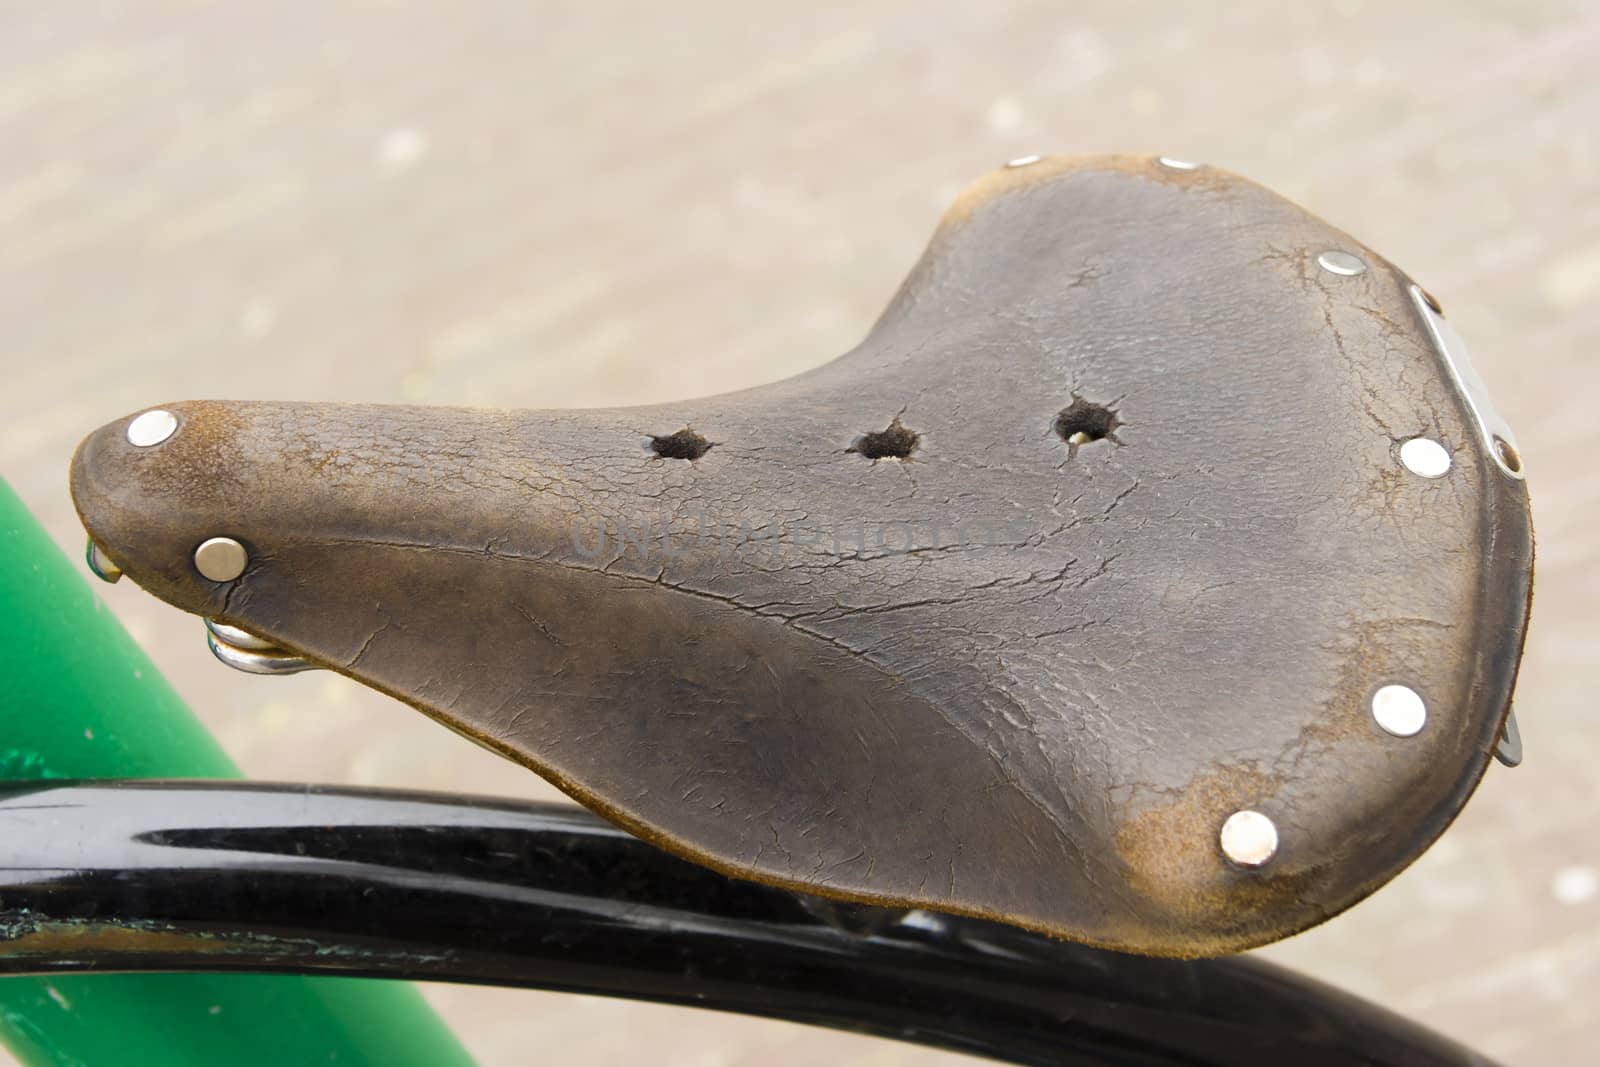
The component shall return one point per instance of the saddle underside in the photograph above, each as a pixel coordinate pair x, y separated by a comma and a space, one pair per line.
1102, 536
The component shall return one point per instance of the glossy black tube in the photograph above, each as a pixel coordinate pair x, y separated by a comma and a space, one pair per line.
143, 876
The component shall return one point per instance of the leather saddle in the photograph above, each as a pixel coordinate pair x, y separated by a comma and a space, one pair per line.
1153, 575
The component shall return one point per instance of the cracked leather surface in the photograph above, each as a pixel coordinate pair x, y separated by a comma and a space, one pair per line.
1009, 675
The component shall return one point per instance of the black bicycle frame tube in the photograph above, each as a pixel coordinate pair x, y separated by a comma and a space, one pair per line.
214, 876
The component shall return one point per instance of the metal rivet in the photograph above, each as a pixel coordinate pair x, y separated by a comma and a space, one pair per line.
1336, 262
151, 428
1399, 710
1425, 457
1176, 164
1023, 161
1249, 838
222, 559
100, 563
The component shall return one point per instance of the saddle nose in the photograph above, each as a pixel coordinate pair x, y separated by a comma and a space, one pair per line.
1149, 575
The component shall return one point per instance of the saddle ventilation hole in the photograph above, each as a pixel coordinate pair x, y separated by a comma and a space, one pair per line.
896, 442
1084, 421
684, 444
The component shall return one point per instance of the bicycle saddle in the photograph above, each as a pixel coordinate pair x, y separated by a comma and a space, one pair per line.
1153, 575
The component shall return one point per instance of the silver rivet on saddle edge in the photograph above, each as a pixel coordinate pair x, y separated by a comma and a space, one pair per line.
1249, 838
1023, 161
1399, 710
1176, 164
222, 559
1425, 458
1342, 263
100, 563
151, 428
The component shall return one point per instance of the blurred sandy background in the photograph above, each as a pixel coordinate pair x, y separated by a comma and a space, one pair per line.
543, 204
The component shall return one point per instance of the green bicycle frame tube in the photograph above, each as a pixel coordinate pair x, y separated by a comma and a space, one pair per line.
82, 701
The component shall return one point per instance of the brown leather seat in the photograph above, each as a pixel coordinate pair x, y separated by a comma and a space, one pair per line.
1110, 530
